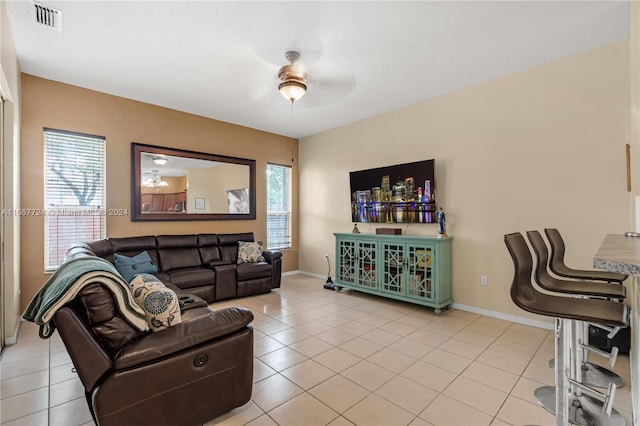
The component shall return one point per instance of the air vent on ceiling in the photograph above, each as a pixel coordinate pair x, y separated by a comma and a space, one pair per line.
49, 17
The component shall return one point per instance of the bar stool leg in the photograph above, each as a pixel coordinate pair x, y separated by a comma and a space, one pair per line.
562, 353
555, 399
594, 374
566, 400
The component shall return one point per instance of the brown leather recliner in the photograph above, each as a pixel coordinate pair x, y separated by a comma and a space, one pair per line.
187, 374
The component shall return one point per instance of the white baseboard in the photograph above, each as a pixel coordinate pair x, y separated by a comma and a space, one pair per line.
296, 272
13, 339
503, 316
485, 312
310, 274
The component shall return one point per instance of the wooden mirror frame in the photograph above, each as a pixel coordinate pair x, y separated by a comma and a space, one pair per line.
136, 182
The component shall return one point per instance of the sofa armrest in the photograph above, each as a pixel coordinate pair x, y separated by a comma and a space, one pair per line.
213, 263
271, 256
196, 328
274, 258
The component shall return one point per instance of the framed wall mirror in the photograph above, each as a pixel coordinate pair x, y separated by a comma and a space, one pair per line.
175, 184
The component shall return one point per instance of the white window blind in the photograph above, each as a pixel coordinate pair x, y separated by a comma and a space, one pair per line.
278, 207
74, 195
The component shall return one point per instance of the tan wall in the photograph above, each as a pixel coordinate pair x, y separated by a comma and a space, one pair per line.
212, 185
122, 121
198, 188
540, 148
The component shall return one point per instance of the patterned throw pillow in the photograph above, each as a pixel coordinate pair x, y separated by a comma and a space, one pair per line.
129, 267
249, 252
159, 303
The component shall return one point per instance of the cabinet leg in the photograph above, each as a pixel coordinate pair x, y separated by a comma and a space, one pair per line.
437, 311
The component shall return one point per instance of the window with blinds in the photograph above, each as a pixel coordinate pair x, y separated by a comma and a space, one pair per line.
278, 207
74, 191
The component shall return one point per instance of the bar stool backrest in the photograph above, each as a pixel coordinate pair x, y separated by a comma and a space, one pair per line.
558, 267
556, 262
542, 255
523, 294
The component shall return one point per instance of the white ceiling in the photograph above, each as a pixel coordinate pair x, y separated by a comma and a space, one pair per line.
175, 166
220, 59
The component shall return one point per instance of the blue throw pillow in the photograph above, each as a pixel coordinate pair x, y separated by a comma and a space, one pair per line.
129, 267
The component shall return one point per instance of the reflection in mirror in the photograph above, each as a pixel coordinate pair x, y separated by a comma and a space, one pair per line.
172, 184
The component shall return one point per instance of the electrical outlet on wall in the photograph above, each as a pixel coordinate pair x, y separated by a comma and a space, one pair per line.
483, 280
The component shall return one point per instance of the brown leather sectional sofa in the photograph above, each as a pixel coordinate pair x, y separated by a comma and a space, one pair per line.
204, 265
187, 374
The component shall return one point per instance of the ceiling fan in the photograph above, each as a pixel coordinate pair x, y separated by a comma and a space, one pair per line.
293, 78
322, 78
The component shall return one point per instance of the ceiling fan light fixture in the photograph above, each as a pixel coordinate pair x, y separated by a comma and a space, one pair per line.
292, 90
154, 180
160, 161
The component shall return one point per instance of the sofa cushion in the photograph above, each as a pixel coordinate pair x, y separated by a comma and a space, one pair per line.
229, 245
164, 277
177, 241
102, 248
129, 267
100, 310
160, 303
191, 277
208, 248
172, 259
250, 252
130, 246
249, 271
178, 252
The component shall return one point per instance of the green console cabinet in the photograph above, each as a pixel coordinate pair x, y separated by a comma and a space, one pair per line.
415, 269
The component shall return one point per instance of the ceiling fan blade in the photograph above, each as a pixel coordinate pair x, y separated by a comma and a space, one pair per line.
252, 78
324, 89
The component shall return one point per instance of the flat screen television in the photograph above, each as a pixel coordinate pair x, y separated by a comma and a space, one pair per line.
403, 193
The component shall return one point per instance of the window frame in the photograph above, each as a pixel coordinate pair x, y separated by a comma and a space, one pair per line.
71, 221
287, 212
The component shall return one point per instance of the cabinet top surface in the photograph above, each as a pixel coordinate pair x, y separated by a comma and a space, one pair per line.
391, 237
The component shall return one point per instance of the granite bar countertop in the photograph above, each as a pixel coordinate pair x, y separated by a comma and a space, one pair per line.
619, 254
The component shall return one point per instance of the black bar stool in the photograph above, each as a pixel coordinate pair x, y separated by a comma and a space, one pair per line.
592, 374
558, 267
580, 286
571, 404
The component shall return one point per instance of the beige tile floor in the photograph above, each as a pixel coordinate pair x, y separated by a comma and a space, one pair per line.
337, 358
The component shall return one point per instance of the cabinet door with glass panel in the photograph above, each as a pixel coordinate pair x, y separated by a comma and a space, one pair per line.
346, 261
392, 279
357, 263
407, 270
419, 272
367, 254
